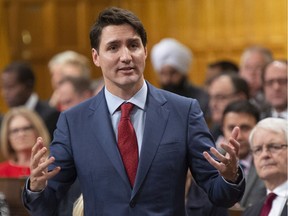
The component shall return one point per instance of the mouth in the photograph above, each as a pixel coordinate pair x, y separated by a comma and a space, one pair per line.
268, 165
126, 69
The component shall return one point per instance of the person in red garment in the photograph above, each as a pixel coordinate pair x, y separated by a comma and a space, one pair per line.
20, 128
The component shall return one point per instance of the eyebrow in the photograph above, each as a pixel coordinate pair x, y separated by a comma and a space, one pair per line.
130, 40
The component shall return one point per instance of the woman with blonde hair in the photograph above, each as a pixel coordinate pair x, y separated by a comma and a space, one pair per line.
19, 131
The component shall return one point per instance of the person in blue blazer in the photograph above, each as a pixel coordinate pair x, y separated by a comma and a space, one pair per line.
172, 136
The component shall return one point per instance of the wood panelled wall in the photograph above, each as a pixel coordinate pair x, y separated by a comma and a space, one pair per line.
213, 29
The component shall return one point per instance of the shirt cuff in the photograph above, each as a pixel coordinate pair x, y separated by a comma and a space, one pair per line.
31, 195
239, 179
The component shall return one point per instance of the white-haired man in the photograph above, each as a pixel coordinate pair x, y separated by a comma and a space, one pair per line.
268, 141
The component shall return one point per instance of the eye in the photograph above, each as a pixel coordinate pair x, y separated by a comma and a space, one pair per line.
245, 128
230, 128
134, 44
257, 150
112, 48
274, 146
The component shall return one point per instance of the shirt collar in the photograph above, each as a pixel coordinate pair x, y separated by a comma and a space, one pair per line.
283, 114
32, 101
247, 161
139, 99
281, 190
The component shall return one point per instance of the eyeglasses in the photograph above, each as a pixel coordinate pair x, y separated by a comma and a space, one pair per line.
272, 148
281, 82
221, 97
25, 129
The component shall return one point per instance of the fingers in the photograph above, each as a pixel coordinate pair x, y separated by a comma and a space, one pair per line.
39, 166
38, 145
211, 160
235, 132
39, 182
38, 158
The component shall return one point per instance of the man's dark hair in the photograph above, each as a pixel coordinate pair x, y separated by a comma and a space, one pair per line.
240, 85
225, 66
115, 16
242, 106
263, 72
24, 73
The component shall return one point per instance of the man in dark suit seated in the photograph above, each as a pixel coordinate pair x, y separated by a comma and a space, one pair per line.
268, 142
18, 82
244, 115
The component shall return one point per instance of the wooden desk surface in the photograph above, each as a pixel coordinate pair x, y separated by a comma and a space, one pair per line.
235, 211
12, 189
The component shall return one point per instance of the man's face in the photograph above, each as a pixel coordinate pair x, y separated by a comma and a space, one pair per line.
121, 57
270, 166
245, 122
250, 70
221, 93
275, 85
168, 75
14, 92
68, 97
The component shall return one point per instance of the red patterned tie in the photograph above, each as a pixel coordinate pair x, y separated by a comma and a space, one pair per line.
127, 142
267, 204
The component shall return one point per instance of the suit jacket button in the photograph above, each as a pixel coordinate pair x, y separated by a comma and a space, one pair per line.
132, 203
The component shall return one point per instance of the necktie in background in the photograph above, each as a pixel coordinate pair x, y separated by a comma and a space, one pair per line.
127, 142
267, 204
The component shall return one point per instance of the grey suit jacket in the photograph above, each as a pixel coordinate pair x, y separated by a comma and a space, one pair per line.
175, 136
255, 189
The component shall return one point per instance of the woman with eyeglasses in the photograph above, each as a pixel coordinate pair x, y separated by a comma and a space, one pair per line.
19, 131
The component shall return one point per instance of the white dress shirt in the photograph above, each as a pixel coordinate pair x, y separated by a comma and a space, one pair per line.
278, 203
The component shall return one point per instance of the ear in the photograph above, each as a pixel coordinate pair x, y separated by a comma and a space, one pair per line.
146, 52
95, 57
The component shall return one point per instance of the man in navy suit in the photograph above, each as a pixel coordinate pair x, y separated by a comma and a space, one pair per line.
171, 133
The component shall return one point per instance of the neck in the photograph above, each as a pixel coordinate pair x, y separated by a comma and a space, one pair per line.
125, 92
271, 185
280, 109
23, 158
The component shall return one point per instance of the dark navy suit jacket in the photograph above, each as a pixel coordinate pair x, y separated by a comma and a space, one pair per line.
174, 139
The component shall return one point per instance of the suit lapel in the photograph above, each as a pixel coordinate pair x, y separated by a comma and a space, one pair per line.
104, 134
155, 123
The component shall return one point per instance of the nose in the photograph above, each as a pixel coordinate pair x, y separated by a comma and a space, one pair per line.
240, 135
276, 85
265, 153
125, 55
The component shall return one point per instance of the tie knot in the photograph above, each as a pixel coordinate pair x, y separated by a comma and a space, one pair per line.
270, 197
126, 109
